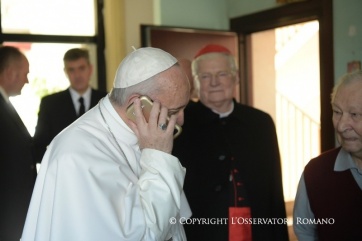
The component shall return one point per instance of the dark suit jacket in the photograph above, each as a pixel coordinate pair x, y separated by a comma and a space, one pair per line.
210, 148
56, 112
17, 172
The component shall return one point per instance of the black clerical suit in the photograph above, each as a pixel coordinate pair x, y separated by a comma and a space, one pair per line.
56, 112
17, 172
231, 161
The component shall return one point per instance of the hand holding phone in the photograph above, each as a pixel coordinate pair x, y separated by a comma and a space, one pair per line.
146, 105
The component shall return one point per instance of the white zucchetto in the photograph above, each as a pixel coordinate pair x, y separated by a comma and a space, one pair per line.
142, 64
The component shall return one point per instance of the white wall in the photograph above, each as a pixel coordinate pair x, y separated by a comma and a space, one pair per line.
347, 21
237, 8
136, 12
209, 14
216, 14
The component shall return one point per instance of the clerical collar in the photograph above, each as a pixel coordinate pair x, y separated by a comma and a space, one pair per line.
3, 93
225, 114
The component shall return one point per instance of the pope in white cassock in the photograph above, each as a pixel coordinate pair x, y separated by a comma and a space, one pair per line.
106, 177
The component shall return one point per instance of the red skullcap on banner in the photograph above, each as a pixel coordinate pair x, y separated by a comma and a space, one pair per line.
212, 48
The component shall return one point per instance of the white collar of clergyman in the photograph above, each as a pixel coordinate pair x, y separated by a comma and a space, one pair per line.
86, 96
3, 93
108, 106
225, 114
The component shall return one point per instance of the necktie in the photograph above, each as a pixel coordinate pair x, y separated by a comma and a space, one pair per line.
81, 107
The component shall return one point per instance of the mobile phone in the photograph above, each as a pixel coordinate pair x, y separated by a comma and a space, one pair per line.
146, 105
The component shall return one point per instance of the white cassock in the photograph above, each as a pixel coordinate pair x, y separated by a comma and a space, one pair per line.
86, 189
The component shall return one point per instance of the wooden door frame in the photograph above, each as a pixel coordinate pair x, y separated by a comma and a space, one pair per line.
288, 14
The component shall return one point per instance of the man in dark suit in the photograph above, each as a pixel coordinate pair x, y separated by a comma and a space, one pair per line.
17, 165
59, 110
230, 151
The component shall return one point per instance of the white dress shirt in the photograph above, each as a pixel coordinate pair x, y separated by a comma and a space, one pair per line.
86, 97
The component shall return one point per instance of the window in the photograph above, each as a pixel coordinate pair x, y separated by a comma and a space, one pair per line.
49, 17
44, 30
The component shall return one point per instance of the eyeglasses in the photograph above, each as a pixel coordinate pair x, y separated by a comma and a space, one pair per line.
221, 75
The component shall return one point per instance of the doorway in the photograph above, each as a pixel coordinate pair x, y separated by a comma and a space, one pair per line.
286, 84
285, 15
288, 14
